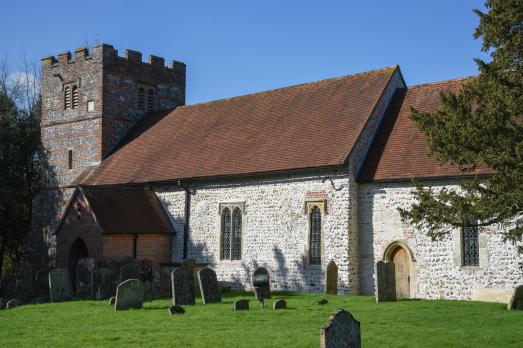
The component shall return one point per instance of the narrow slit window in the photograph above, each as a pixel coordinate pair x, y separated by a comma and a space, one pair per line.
236, 250
150, 100
70, 159
315, 236
226, 234
75, 97
141, 99
470, 244
67, 98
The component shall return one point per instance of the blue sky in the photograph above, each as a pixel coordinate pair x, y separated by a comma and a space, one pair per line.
238, 47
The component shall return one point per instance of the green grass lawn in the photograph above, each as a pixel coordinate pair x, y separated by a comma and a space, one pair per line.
394, 324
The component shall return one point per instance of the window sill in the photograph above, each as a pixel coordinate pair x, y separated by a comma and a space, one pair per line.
314, 267
470, 269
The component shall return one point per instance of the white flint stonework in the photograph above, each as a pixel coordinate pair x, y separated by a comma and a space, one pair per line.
438, 272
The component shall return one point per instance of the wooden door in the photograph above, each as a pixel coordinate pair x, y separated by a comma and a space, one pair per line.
402, 272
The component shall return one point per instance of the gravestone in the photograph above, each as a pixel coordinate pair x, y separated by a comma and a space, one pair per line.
209, 286
42, 285
13, 303
279, 304
385, 281
112, 300
84, 270
341, 330
164, 290
103, 284
59, 285
331, 279
129, 294
182, 284
516, 300
176, 310
261, 283
133, 269
241, 305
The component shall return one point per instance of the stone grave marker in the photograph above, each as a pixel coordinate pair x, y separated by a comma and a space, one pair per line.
2, 303
385, 281
241, 305
84, 270
103, 284
42, 285
129, 294
13, 303
59, 285
176, 310
341, 330
279, 304
331, 279
516, 300
164, 286
261, 283
112, 300
209, 286
182, 284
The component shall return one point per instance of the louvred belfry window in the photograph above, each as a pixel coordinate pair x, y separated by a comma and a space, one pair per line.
231, 232
150, 100
75, 97
67, 98
315, 236
141, 99
470, 244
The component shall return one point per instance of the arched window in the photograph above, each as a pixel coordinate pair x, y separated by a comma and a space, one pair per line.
75, 97
226, 234
236, 249
141, 99
150, 100
67, 98
315, 236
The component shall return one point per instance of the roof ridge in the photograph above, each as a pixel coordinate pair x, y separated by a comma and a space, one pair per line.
255, 94
470, 77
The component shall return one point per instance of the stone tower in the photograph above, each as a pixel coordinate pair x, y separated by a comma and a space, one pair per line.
89, 102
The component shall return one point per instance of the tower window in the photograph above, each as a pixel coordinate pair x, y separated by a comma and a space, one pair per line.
90, 105
141, 99
75, 97
67, 98
150, 100
70, 159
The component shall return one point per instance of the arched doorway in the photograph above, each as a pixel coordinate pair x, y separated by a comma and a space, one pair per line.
77, 251
400, 254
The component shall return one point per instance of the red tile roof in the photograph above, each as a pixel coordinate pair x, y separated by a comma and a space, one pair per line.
306, 126
399, 150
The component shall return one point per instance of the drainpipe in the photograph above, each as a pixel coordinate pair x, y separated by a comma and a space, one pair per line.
135, 245
187, 217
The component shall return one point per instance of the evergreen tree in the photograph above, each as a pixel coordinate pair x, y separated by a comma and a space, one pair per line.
481, 126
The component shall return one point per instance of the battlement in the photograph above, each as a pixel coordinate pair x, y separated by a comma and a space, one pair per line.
109, 55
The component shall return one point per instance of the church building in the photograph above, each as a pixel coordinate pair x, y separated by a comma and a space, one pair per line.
293, 179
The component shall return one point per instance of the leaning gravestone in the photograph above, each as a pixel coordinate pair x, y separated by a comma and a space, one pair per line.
129, 294
261, 283
209, 286
341, 330
279, 304
385, 281
241, 305
84, 271
59, 285
182, 284
516, 300
103, 284
331, 279
13, 303
42, 285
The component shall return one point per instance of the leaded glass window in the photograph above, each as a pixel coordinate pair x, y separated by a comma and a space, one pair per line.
237, 235
470, 238
226, 234
315, 236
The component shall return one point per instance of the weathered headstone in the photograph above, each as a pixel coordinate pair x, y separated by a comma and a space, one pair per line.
13, 303
385, 281
241, 305
112, 300
261, 283
279, 304
42, 285
176, 310
59, 285
182, 283
331, 279
129, 294
164, 286
516, 300
341, 330
209, 286
84, 273
103, 284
